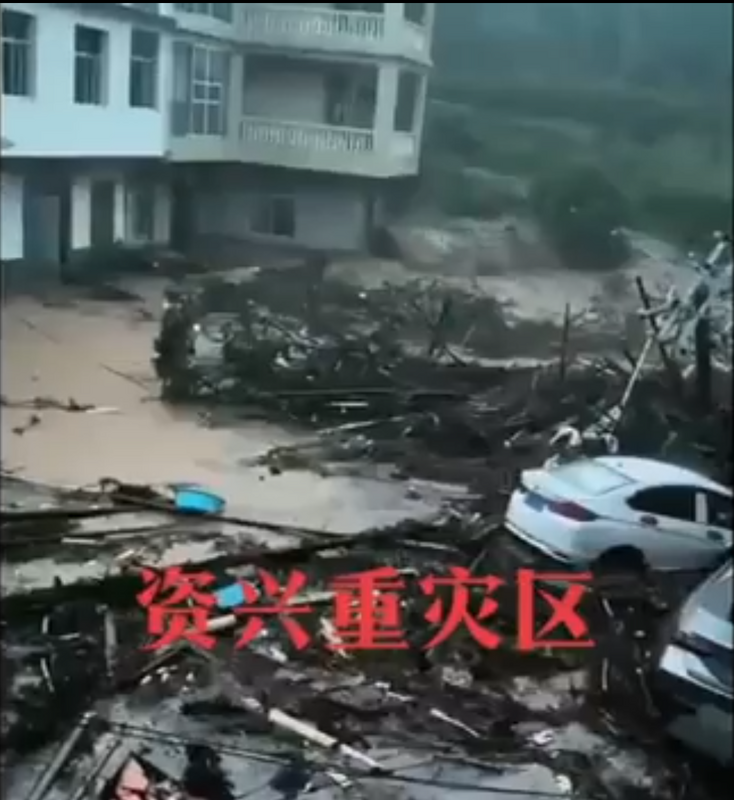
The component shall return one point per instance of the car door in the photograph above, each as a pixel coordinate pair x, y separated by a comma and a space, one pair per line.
671, 524
719, 519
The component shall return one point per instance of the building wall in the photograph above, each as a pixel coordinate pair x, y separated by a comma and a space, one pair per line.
327, 214
81, 204
50, 124
74, 184
278, 97
327, 219
287, 89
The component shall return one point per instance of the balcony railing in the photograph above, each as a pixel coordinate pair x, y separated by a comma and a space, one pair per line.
326, 148
327, 29
298, 144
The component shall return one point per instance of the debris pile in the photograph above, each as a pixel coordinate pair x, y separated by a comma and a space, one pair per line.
404, 373
256, 706
232, 674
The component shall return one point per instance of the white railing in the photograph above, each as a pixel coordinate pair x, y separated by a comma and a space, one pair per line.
309, 138
326, 148
285, 25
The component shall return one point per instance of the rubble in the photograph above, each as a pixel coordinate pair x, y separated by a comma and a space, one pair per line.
337, 717
389, 378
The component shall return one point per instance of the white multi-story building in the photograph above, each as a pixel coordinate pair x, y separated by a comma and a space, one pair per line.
166, 122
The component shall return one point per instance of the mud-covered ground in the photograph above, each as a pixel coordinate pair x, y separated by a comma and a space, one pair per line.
532, 728
523, 725
99, 353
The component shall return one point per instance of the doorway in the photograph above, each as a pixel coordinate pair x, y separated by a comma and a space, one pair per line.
102, 213
46, 215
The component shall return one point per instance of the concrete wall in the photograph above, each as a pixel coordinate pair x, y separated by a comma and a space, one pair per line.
81, 197
286, 89
78, 183
329, 218
50, 124
281, 104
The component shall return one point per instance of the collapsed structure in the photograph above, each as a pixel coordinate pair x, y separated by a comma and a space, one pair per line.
396, 376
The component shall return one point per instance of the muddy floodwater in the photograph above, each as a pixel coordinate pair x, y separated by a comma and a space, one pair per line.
99, 353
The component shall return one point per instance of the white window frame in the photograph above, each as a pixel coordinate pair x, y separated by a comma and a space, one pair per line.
143, 87
416, 13
209, 84
223, 12
264, 209
18, 65
90, 89
150, 8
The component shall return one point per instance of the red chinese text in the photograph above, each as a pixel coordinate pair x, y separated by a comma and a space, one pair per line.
368, 611
564, 610
460, 582
368, 608
178, 607
281, 605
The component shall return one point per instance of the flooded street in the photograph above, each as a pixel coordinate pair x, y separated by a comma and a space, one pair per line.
99, 353
427, 722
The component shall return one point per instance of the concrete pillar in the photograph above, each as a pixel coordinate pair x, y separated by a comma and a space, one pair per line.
119, 218
238, 64
387, 98
394, 16
12, 192
420, 107
430, 17
163, 214
81, 197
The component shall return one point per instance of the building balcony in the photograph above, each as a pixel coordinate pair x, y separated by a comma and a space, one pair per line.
327, 148
310, 27
306, 146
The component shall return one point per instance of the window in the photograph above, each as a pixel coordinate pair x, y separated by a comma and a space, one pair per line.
407, 101
200, 90
415, 12
143, 68
370, 8
141, 213
90, 45
210, 68
676, 502
18, 39
274, 216
590, 477
720, 510
220, 11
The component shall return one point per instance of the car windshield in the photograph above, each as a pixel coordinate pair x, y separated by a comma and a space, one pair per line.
590, 477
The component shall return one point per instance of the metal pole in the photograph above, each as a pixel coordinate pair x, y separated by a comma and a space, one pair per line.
48, 778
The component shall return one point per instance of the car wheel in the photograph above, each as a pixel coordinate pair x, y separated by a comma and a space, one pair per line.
622, 561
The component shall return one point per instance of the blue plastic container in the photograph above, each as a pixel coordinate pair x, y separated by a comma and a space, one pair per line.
196, 500
230, 597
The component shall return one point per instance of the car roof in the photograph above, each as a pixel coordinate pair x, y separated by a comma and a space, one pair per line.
651, 472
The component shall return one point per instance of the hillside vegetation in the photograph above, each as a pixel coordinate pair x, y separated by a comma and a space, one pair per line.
632, 100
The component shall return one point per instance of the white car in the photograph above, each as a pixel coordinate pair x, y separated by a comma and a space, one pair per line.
621, 513
693, 676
